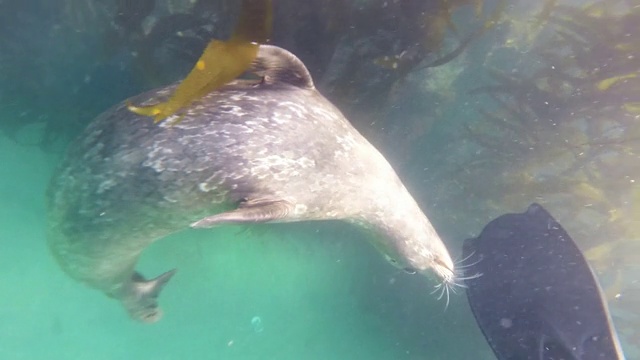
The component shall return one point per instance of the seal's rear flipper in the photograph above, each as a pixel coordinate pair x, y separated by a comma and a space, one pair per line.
251, 211
538, 299
141, 300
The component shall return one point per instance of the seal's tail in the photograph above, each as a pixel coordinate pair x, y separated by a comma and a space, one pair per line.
141, 300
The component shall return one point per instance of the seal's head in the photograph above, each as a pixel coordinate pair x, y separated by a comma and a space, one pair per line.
425, 254
430, 261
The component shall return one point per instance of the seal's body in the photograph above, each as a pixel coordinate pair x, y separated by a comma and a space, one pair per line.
254, 151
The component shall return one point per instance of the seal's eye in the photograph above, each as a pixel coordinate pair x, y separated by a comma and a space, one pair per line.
393, 261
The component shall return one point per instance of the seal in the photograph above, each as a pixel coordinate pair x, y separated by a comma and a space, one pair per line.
269, 150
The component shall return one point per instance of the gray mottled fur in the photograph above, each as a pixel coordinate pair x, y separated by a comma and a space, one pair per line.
127, 182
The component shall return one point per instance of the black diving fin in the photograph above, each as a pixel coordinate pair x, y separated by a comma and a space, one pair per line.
537, 298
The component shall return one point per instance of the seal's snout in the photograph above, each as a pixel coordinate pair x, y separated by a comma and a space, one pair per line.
444, 268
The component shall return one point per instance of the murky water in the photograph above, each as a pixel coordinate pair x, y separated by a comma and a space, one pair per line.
540, 106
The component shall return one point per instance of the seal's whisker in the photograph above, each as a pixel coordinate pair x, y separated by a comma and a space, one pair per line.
440, 288
464, 286
465, 266
444, 289
455, 283
436, 288
456, 262
470, 277
453, 288
446, 306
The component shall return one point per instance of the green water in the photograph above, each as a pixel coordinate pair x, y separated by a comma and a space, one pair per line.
320, 290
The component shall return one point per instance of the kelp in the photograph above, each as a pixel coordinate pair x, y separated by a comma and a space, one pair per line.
220, 63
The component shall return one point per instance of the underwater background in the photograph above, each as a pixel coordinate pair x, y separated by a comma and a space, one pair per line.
482, 107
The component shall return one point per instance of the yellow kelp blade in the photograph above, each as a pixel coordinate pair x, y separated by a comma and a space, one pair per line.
478, 4
254, 24
220, 63
632, 107
607, 83
496, 14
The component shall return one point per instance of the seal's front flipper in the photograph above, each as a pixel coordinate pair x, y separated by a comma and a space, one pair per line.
250, 211
141, 298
